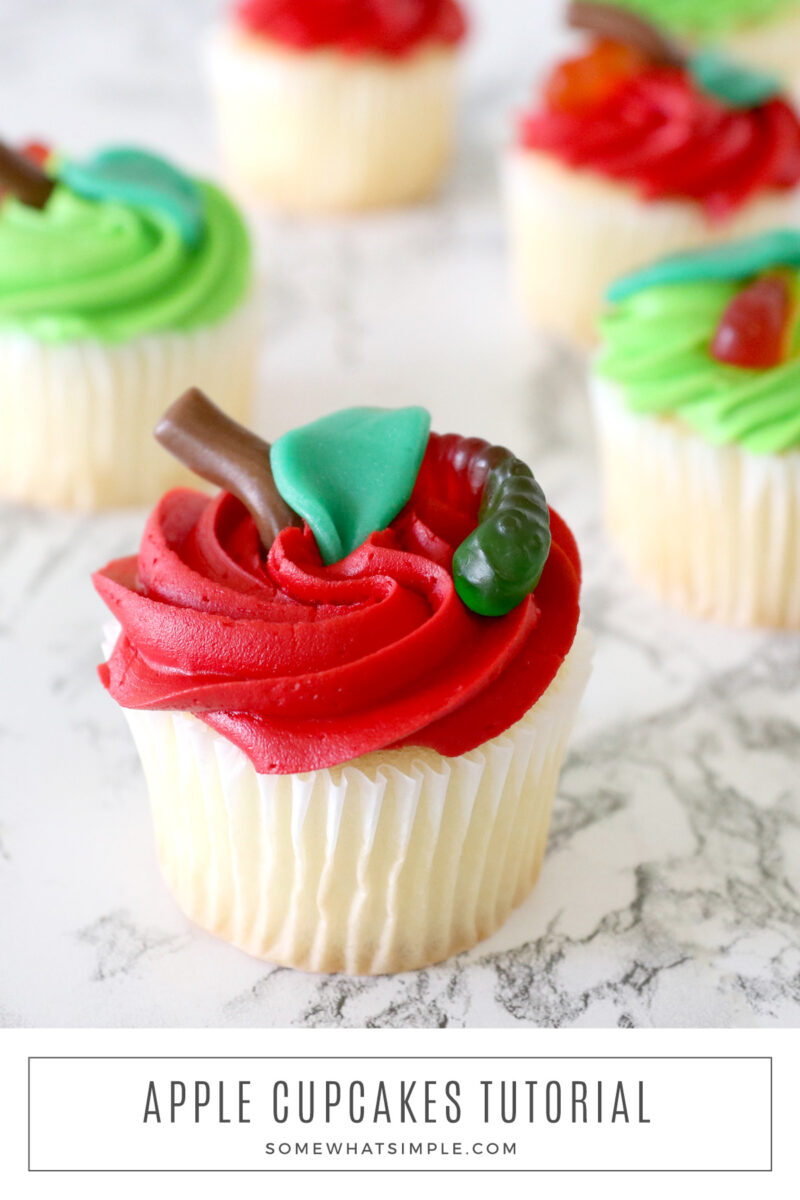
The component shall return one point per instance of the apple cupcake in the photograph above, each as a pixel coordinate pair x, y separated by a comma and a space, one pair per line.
698, 416
761, 33
337, 106
350, 676
636, 151
121, 281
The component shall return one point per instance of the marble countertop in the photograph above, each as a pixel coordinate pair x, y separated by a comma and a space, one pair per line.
670, 895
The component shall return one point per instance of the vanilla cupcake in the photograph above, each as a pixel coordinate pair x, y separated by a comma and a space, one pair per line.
698, 414
336, 106
122, 280
635, 152
761, 33
351, 679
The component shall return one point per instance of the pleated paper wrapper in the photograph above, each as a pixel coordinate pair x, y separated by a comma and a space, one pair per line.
711, 529
322, 131
77, 418
572, 233
393, 861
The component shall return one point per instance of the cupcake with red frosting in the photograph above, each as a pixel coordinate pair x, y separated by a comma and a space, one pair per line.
351, 676
336, 105
635, 150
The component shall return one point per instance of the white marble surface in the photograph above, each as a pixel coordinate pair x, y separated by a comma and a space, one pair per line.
670, 895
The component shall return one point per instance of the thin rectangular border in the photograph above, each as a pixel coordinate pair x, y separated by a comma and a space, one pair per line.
402, 1170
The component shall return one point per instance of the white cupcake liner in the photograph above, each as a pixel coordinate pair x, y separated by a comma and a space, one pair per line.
572, 233
77, 418
393, 861
324, 131
712, 529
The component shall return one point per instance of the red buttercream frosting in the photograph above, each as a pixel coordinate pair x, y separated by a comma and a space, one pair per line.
658, 131
393, 27
306, 666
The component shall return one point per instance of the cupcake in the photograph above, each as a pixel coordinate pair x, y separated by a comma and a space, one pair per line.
336, 105
761, 33
635, 151
698, 413
121, 281
350, 676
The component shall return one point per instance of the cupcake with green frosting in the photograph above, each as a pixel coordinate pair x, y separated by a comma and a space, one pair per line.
697, 401
761, 33
122, 280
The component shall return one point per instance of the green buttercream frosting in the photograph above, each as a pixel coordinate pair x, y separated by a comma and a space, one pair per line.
110, 270
709, 19
657, 342
350, 473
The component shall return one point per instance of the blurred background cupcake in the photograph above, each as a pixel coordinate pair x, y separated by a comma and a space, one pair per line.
696, 399
326, 105
633, 151
122, 281
762, 33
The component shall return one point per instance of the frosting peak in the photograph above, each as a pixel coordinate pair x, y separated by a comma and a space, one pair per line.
354, 26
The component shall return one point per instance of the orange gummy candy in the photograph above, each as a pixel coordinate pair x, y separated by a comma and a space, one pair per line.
580, 83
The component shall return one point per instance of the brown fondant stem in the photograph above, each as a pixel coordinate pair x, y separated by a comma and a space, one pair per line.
609, 21
224, 452
23, 178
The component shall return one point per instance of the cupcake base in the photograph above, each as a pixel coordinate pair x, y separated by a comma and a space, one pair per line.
711, 529
77, 419
321, 131
572, 233
393, 861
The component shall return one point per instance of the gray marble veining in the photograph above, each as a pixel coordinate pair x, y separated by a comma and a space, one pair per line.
670, 894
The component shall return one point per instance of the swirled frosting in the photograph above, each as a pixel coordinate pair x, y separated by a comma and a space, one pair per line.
102, 269
354, 26
709, 19
303, 665
658, 132
657, 347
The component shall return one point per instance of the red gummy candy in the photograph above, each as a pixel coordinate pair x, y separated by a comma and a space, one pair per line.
754, 330
580, 83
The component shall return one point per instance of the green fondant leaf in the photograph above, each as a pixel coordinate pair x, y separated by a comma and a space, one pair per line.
142, 180
349, 474
736, 85
728, 262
